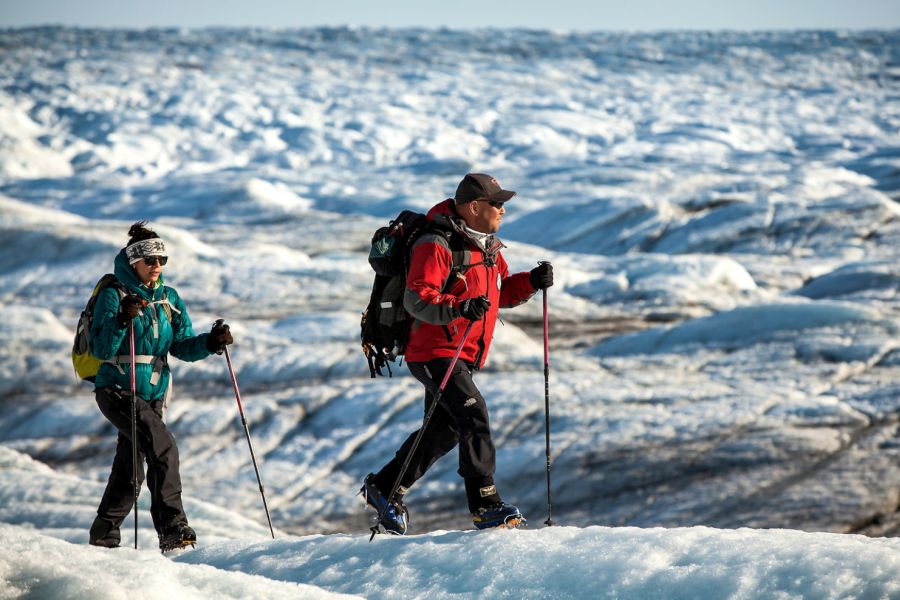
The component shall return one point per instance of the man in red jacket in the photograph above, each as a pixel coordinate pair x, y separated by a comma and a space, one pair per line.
456, 276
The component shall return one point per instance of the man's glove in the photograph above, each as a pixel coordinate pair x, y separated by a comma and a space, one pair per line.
219, 337
129, 308
542, 276
474, 308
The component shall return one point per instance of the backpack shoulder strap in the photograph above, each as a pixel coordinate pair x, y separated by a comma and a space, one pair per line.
109, 281
119, 287
167, 306
458, 253
455, 242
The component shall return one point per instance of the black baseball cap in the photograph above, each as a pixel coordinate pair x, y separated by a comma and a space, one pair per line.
481, 186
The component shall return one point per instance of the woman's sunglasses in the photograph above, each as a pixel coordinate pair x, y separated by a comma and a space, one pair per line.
151, 261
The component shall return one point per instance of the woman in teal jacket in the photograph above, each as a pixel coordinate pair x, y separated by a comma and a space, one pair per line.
161, 327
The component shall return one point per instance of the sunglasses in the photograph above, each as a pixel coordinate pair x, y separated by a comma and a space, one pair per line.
494, 203
151, 261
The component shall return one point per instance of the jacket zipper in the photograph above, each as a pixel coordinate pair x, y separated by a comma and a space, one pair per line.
487, 289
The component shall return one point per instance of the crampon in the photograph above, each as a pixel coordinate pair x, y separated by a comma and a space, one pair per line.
499, 515
177, 539
178, 545
394, 516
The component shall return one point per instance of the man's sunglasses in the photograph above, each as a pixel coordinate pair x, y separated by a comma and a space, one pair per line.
494, 203
151, 261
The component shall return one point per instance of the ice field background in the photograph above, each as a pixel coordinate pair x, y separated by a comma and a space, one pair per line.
721, 212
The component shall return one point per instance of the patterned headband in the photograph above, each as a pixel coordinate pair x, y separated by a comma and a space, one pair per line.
145, 248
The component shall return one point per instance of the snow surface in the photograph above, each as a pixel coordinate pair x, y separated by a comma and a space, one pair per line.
44, 556
721, 212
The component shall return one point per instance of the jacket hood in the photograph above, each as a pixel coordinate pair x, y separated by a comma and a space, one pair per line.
444, 215
126, 274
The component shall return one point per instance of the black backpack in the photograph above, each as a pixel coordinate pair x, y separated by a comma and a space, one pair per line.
385, 323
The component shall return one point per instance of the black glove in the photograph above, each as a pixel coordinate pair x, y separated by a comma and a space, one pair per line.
129, 308
219, 337
542, 276
474, 308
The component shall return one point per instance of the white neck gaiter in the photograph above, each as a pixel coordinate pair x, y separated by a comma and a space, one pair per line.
479, 237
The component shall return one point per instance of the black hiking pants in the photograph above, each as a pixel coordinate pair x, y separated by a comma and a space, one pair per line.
460, 419
157, 447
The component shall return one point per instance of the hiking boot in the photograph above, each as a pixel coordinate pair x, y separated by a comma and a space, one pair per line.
178, 536
497, 515
104, 534
394, 516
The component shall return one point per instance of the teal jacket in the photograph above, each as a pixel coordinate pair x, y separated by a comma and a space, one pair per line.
155, 335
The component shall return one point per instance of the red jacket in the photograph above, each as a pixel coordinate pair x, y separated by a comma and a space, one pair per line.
438, 326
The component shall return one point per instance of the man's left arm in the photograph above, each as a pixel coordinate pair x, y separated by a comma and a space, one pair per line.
515, 289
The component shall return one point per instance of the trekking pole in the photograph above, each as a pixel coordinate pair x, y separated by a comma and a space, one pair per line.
421, 433
549, 521
134, 440
237, 396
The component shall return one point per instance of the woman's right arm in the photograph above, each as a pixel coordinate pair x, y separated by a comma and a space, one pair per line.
107, 334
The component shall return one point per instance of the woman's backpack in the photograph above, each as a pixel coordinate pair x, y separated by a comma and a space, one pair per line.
86, 364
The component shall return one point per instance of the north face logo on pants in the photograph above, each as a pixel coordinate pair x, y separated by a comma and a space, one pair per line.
488, 491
